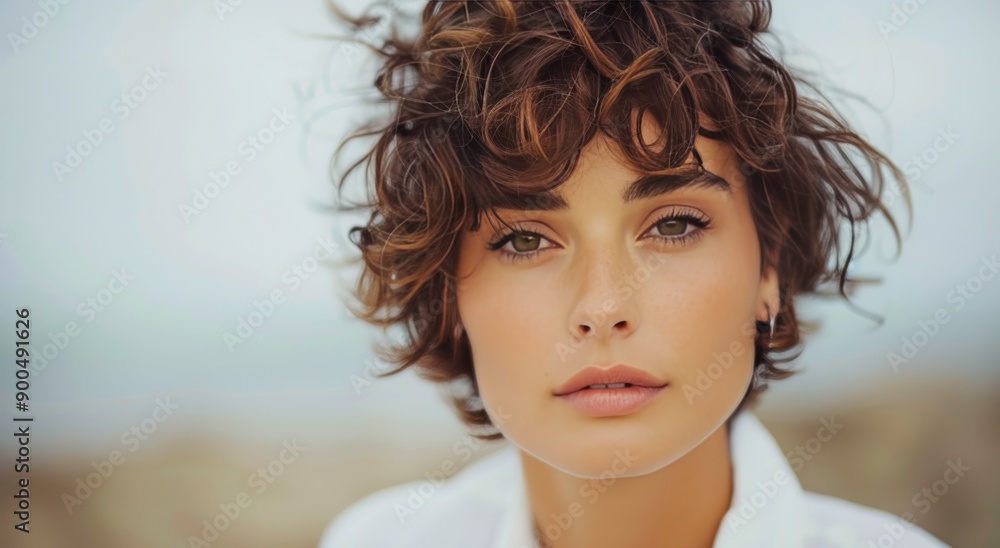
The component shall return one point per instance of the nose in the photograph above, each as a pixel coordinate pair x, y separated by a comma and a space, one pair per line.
606, 302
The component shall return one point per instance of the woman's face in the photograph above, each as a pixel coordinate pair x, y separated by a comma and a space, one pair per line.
666, 283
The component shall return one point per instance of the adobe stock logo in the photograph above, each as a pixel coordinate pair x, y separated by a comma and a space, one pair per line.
259, 480
369, 35
88, 309
123, 107
804, 452
30, 26
132, 438
225, 7
927, 328
897, 527
292, 279
901, 14
419, 494
591, 492
625, 289
721, 363
248, 149
750, 505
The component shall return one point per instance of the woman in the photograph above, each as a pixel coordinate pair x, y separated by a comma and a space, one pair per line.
593, 220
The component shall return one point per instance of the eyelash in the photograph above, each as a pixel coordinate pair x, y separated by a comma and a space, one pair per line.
690, 216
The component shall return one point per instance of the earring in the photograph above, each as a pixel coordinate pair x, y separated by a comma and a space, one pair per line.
767, 327
458, 329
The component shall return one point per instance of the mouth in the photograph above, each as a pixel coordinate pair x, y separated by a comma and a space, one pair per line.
619, 390
611, 400
617, 377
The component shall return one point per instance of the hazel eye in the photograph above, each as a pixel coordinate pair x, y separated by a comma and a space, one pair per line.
524, 242
679, 228
672, 226
518, 245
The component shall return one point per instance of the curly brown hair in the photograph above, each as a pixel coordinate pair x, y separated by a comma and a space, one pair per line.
492, 102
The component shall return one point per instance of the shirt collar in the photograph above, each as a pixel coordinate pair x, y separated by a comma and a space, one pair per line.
767, 507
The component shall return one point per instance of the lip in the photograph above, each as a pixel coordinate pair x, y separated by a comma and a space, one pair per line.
616, 374
606, 402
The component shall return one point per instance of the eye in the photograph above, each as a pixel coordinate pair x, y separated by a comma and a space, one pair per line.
518, 245
676, 227
679, 227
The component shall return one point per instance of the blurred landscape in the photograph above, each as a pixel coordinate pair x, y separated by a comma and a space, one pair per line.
890, 448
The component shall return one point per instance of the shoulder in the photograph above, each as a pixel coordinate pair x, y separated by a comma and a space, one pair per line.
436, 511
838, 522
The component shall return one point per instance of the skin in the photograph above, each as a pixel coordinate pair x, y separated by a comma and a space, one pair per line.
534, 323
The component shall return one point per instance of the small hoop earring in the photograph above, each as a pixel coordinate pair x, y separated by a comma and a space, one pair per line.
768, 326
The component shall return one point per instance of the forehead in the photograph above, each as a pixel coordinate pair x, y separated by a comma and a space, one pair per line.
602, 162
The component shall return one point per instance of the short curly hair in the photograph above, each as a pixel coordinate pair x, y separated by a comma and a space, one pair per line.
493, 101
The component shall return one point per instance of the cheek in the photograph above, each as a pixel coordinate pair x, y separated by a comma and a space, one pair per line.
510, 330
705, 311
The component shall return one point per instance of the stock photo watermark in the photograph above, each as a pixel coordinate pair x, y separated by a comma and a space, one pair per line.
900, 16
32, 25
920, 163
625, 289
939, 488
225, 7
368, 375
590, 491
369, 33
88, 309
248, 150
259, 482
292, 279
805, 451
928, 328
899, 526
749, 505
93, 137
435, 479
132, 438
721, 363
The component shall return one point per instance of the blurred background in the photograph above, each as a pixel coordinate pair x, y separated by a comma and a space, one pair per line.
166, 181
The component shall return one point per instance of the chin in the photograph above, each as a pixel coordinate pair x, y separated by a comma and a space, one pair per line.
601, 448
622, 446
606, 462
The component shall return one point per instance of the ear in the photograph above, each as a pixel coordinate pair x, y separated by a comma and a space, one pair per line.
768, 294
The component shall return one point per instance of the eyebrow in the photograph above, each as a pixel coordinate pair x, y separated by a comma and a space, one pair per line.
642, 188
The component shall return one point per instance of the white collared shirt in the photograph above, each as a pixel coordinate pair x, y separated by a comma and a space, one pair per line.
485, 505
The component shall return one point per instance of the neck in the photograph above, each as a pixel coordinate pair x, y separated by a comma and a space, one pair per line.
681, 504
